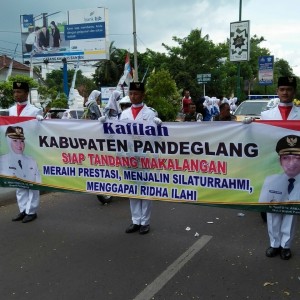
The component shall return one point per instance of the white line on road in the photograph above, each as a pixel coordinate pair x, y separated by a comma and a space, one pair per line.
166, 275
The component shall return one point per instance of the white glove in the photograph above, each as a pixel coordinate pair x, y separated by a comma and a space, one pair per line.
157, 121
102, 119
39, 117
247, 120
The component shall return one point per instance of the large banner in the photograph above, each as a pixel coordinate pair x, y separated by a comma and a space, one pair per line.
76, 34
208, 163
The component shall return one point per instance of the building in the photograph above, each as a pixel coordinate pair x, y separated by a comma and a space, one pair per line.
17, 69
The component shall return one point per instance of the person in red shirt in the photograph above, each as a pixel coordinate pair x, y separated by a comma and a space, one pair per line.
185, 102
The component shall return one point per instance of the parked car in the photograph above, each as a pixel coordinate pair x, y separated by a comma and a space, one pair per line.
63, 113
74, 113
251, 108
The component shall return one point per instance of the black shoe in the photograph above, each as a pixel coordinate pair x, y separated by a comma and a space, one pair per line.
19, 217
144, 229
132, 228
285, 254
271, 252
264, 216
29, 218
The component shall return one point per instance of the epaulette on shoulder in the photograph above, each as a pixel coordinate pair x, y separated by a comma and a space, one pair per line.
153, 109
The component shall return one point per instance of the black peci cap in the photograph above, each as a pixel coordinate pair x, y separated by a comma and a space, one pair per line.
137, 86
21, 86
287, 81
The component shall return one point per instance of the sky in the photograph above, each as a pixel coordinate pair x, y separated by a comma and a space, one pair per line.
158, 21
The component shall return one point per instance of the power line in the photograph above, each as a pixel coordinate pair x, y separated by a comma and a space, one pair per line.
7, 31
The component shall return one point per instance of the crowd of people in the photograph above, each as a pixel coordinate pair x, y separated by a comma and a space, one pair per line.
207, 108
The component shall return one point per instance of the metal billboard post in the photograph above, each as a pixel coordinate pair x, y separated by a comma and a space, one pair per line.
65, 76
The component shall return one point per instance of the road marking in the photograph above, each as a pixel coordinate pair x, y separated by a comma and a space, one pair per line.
166, 275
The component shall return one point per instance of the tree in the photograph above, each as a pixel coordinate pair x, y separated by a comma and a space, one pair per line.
61, 101
109, 71
162, 95
194, 54
52, 94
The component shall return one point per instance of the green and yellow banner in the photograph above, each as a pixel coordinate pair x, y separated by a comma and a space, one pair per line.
207, 163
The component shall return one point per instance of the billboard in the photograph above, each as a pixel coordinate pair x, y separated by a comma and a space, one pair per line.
265, 70
81, 33
239, 41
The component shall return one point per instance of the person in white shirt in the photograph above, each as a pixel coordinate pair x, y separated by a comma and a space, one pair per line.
28, 200
281, 227
140, 112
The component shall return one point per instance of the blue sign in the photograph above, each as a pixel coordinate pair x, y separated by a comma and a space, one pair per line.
265, 70
27, 20
85, 31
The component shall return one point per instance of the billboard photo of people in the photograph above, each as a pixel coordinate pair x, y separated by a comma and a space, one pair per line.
76, 34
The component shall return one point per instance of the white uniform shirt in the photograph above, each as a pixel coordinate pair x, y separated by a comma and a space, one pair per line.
28, 111
274, 114
275, 189
145, 114
21, 166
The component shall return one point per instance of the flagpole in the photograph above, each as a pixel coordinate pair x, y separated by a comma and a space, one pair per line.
145, 74
71, 96
135, 72
9, 71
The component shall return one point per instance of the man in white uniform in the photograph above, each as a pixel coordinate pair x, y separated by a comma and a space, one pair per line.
28, 200
140, 209
281, 226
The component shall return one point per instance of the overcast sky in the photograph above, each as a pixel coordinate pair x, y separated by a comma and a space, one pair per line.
157, 21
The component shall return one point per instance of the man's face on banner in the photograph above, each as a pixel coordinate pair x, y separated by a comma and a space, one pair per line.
17, 146
290, 164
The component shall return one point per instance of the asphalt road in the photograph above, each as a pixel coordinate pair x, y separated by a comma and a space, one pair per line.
77, 249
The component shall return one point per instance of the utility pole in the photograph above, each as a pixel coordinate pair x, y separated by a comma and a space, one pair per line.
135, 73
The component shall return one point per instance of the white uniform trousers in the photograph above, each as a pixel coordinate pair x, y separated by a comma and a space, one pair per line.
140, 211
281, 229
28, 200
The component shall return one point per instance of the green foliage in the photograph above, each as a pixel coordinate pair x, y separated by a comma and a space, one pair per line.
194, 54
162, 95
52, 94
61, 101
6, 97
109, 71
